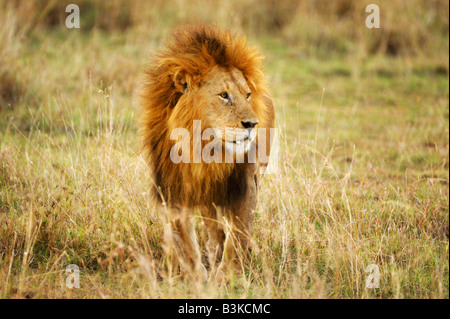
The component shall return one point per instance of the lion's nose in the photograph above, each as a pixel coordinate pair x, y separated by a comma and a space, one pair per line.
249, 123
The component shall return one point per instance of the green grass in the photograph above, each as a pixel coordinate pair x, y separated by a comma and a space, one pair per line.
363, 175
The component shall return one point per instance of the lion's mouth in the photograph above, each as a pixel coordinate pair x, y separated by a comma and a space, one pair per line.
238, 145
237, 142
244, 140
237, 136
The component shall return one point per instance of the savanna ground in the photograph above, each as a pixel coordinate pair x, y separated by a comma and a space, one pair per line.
363, 169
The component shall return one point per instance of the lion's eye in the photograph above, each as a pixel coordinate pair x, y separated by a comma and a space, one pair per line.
224, 95
248, 95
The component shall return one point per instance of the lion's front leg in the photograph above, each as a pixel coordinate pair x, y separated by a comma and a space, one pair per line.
238, 230
237, 242
216, 235
181, 244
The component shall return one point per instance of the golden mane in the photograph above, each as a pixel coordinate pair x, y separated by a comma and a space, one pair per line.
191, 53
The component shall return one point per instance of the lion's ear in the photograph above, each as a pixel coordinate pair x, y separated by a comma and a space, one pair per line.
180, 82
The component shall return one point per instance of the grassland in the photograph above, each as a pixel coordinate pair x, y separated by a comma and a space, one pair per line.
363, 168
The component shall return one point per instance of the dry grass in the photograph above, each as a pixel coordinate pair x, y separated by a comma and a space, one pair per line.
363, 175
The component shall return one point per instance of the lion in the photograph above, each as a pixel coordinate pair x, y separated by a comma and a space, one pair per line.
207, 74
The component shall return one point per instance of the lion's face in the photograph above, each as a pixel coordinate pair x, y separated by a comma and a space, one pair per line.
206, 74
225, 102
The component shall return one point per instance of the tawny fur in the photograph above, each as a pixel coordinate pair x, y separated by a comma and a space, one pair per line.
200, 59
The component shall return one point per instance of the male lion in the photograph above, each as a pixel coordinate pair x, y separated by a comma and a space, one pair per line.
206, 74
